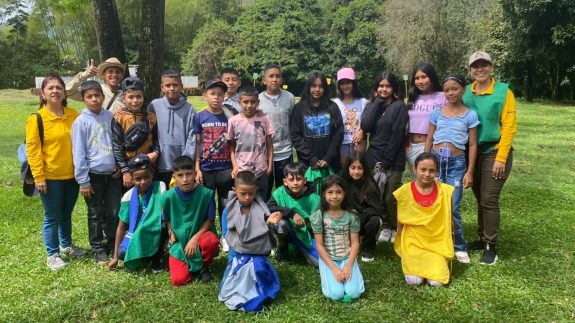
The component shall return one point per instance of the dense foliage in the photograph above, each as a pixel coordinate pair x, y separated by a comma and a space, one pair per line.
531, 41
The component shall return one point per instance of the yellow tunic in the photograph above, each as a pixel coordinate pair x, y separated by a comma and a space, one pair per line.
425, 244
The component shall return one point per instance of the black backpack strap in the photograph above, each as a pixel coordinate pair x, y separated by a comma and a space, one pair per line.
40, 127
112, 101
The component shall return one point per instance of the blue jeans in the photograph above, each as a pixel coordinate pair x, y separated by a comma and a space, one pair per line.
451, 171
58, 205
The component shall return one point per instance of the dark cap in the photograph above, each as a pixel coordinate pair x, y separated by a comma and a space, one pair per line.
139, 162
132, 83
212, 83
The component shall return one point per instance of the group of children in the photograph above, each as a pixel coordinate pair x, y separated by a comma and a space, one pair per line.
239, 148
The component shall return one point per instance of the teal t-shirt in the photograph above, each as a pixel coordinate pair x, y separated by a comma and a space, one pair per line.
336, 232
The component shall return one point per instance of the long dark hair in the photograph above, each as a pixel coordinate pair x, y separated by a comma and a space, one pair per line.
329, 181
306, 98
355, 92
366, 183
392, 81
47, 79
414, 92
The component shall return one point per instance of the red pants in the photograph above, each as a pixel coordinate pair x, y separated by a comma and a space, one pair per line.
179, 272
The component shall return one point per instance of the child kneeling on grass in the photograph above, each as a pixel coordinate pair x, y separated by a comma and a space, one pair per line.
189, 210
336, 231
249, 279
297, 199
139, 236
424, 240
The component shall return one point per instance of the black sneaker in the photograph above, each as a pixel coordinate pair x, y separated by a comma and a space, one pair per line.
157, 266
283, 254
367, 255
489, 255
206, 275
476, 245
101, 258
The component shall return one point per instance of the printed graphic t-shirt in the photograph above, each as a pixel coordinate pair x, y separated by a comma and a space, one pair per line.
250, 135
214, 149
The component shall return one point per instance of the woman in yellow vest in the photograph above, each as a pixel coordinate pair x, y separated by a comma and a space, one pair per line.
424, 240
494, 104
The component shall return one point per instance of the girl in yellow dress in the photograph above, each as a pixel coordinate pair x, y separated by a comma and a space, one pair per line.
424, 239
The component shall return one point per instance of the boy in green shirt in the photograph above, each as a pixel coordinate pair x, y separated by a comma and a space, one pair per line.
189, 211
296, 200
139, 234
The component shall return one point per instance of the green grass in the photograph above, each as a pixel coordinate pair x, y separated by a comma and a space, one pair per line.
533, 281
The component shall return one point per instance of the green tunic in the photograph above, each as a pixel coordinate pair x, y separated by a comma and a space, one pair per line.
304, 206
146, 238
488, 109
316, 176
186, 219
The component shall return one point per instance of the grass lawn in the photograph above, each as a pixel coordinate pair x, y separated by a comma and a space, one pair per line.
533, 281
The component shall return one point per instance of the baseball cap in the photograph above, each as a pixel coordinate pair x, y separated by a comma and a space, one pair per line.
345, 73
132, 83
478, 56
139, 162
215, 82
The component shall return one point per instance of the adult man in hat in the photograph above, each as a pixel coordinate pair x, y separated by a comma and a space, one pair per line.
112, 72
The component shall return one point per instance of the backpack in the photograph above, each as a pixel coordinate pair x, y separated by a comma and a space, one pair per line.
28, 183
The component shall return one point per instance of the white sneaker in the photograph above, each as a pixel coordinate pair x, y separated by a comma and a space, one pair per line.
224, 244
392, 238
384, 236
462, 257
55, 262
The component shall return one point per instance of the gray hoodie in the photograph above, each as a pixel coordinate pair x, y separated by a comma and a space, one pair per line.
175, 128
92, 145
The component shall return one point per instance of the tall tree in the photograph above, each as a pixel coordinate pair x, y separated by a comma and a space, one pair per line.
152, 47
436, 31
351, 38
204, 56
108, 31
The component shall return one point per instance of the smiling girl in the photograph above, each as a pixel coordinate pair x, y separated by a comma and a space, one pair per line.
316, 126
424, 240
450, 129
351, 105
425, 95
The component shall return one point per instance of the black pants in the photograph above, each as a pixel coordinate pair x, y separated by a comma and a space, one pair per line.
221, 183
103, 209
263, 183
369, 228
277, 176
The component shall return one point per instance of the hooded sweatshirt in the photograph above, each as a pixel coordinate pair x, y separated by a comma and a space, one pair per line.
174, 130
92, 145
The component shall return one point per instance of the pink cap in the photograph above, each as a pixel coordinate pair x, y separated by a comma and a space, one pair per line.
345, 73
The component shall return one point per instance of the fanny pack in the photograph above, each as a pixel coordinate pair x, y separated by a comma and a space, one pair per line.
137, 134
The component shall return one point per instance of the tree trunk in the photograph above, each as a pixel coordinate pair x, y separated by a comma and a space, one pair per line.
152, 47
108, 30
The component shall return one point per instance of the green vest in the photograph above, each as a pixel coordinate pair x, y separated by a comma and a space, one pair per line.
304, 206
146, 238
186, 219
488, 109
